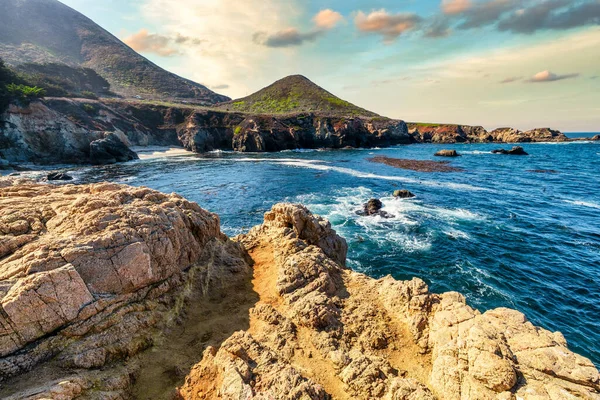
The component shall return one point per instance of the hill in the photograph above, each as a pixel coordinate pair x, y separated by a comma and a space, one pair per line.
295, 94
49, 32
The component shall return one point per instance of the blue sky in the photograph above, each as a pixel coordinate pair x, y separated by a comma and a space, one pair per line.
521, 63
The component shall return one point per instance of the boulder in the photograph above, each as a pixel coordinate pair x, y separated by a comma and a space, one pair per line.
372, 208
447, 153
597, 137
403, 194
517, 150
58, 176
110, 150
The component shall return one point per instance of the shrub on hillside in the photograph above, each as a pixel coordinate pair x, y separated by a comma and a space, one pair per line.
23, 93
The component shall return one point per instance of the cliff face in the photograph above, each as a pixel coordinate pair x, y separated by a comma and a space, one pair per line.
446, 133
92, 275
61, 130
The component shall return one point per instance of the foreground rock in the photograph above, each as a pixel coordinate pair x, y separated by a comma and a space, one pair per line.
321, 331
92, 275
89, 275
515, 151
447, 153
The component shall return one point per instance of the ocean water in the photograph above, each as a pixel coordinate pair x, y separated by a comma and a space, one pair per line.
496, 232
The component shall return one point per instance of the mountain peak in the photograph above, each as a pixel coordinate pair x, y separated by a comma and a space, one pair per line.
295, 94
47, 31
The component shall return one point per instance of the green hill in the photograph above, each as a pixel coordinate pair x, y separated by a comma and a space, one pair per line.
49, 32
295, 94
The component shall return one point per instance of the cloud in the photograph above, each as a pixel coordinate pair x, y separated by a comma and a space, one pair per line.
390, 26
285, 38
324, 20
552, 15
146, 42
438, 28
482, 14
511, 79
455, 6
227, 54
220, 87
547, 76
327, 19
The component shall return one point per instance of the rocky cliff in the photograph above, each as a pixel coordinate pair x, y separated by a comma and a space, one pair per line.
92, 275
60, 130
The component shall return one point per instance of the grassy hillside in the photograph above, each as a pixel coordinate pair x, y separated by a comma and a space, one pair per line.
295, 94
47, 31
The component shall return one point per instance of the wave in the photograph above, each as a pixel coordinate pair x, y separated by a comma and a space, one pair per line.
476, 152
152, 152
583, 203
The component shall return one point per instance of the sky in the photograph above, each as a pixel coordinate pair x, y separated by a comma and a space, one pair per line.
496, 63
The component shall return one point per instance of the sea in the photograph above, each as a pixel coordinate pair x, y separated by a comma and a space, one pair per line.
506, 231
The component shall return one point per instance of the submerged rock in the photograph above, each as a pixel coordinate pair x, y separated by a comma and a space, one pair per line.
403, 194
517, 150
447, 153
110, 150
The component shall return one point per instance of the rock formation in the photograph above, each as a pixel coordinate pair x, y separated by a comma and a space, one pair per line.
321, 330
447, 153
372, 208
515, 151
597, 137
403, 194
92, 275
110, 150
447, 133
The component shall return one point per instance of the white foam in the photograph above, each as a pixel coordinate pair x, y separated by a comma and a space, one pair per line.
583, 203
153, 152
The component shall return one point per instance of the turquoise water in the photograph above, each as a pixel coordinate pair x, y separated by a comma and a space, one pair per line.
498, 233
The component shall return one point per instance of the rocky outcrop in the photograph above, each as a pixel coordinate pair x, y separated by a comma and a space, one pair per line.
447, 153
597, 137
515, 151
321, 331
510, 135
447, 133
92, 275
372, 208
403, 194
110, 150
89, 275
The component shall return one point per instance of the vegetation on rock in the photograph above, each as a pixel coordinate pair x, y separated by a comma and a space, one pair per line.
295, 94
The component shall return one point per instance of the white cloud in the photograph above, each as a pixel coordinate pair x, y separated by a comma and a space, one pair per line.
327, 19
455, 6
390, 26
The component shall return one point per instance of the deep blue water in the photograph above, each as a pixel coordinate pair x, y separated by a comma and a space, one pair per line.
498, 233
